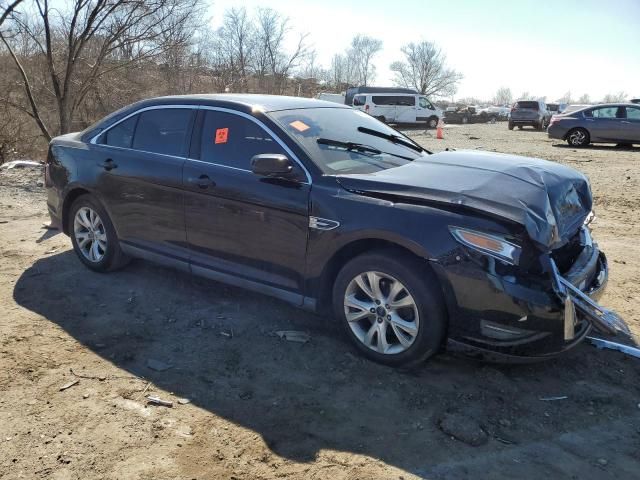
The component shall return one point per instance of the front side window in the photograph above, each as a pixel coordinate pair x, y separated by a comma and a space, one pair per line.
333, 141
232, 140
425, 103
633, 113
163, 131
121, 135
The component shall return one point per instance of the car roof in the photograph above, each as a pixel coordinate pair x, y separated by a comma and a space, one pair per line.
265, 103
390, 94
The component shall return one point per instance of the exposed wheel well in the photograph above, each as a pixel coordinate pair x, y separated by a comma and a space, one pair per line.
346, 253
66, 206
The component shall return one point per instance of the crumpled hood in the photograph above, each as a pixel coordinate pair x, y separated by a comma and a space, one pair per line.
550, 200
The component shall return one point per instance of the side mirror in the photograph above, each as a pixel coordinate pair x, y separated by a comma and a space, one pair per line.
271, 165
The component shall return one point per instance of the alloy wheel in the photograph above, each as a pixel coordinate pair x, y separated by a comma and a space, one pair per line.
90, 234
577, 138
381, 312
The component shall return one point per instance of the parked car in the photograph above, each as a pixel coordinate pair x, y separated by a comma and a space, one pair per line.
605, 123
635, 100
556, 108
329, 209
533, 113
353, 91
466, 115
331, 97
399, 108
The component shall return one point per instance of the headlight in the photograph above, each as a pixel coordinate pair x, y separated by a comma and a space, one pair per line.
488, 244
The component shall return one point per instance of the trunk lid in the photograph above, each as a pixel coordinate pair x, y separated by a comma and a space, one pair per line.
549, 200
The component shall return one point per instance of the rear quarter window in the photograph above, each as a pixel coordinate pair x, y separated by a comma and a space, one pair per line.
359, 100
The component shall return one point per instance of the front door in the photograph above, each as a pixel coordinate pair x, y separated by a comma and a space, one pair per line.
631, 125
139, 163
605, 123
240, 226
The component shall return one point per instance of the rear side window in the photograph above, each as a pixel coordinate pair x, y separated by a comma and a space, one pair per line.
163, 131
605, 112
529, 105
232, 140
406, 100
121, 135
359, 100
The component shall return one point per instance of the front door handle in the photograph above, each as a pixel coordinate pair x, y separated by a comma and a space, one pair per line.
108, 164
203, 181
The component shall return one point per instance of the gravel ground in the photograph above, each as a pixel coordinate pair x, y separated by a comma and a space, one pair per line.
249, 405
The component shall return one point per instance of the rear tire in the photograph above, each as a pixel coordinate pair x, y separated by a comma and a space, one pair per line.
93, 236
578, 137
541, 125
511, 125
413, 324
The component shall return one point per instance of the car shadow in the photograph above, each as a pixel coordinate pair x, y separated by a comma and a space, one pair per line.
301, 398
608, 148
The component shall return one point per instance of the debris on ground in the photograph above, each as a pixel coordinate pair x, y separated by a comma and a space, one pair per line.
158, 365
294, 336
69, 385
184, 401
20, 164
159, 402
463, 428
227, 332
551, 399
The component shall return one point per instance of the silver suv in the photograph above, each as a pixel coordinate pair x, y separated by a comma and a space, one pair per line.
529, 112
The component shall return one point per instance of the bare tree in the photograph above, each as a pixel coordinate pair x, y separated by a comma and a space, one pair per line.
584, 99
566, 98
87, 39
7, 11
526, 96
503, 96
615, 97
237, 35
360, 67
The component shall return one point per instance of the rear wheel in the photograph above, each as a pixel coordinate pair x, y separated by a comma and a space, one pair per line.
578, 137
93, 236
511, 126
542, 124
391, 310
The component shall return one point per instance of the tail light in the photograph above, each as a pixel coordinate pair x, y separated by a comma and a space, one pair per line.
366, 108
47, 166
554, 119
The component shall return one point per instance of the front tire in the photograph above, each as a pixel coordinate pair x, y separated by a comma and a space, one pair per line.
390, 309
578, 137
93, 236
432, 122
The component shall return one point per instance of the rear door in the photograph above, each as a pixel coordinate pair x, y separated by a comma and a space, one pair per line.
631, 124
406, 109
242, 227
605, 123
139, 177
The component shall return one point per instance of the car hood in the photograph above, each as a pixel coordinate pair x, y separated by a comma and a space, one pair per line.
549, 200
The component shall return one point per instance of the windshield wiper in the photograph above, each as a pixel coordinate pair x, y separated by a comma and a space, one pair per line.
357, 147
392, 138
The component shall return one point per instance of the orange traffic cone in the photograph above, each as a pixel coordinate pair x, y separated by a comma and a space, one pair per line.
439, 135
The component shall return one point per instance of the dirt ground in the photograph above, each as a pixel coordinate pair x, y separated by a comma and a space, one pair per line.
261, 407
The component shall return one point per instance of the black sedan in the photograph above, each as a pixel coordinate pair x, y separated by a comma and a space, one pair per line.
605, 123
325, 207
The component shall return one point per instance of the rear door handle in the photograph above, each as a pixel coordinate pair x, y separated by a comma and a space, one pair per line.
203, 181
108, 164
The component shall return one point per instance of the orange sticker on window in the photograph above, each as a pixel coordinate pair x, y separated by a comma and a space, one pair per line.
222, 134
300, 126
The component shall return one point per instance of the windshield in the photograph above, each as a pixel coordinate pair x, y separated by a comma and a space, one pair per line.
343, 148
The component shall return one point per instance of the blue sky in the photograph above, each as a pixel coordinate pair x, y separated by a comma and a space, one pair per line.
542, 47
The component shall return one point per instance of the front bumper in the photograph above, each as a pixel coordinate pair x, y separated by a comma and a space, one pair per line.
500, 318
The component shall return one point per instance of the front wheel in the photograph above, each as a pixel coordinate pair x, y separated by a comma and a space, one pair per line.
578, 137
93, 236
391, 310
432, 122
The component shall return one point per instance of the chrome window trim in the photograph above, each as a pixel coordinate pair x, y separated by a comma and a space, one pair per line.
283, 145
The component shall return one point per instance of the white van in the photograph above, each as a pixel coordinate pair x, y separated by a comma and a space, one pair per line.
331, 97
398, 108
